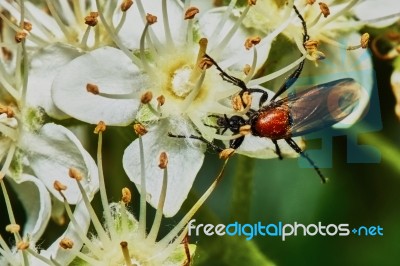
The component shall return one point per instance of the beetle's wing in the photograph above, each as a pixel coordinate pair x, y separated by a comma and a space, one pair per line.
322, 105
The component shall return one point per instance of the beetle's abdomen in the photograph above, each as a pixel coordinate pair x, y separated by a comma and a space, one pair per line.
273, 123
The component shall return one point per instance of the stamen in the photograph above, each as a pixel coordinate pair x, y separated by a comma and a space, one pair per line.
160, 100
150, 21
146, 97
126, 5
189, 15
310, 2
22, 245
153, 37
115, 38
161, 201
40, 257
167, 30
363, 43
103, 193
57, 18
223, 20
125, 252
251, 42
252, 69
143, 192
94, 89
175, 231
20, 36
275, 74
13, 228
341, 12
7, 162
232, 31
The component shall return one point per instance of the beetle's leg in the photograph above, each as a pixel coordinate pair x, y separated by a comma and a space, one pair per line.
212, 145
277, 149
295, 147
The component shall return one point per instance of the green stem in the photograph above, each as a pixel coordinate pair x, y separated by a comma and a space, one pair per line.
242, 189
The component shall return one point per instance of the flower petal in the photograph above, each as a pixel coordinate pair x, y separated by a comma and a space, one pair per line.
52, 153
113, 72
35, 198
375, 9
45, 65
184, 161
264, 148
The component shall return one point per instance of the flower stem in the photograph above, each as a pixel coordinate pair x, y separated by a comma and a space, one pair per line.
242, 189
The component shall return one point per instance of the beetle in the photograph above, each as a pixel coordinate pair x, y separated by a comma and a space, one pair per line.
297, 114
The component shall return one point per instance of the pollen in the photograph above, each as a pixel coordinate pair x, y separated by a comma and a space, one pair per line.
126, 195
27, 26
151, 19
163, 162
6, 110
146, 97
20, 36
225, 154
13, 228
252, 41
59, 186
139, 129
126, 5
364, 40
23, 245
91, 20
101, 127
191, 12
66, 243
92, 88
324, 9
75, 174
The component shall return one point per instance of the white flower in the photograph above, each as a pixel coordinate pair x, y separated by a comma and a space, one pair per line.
124, 240
106, 84
36, 201
25, 144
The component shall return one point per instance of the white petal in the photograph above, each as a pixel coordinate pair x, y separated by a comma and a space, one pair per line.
45, 65
130, 36
52, 153
64, 256
113, 72
184, 161
264, 148
35, 198
375, 9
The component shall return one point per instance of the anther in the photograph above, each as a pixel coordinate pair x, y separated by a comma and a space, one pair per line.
22, 245
13, 228
146, 97
101, 127
140, 130
126, 195
75, 174
6, 110
91, 20
163, 162
225, 154
27, 26
310, 2
92, 88
59, 186
20, 36
125, 252
311, 45
161, 100
324, 9
364, 40
126, 5
251, 41
151, 19
191, 12
66, 243
318, 55
246, 69
251, 2
245, 130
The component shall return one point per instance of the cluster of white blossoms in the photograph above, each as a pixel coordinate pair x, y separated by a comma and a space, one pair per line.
140, 62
